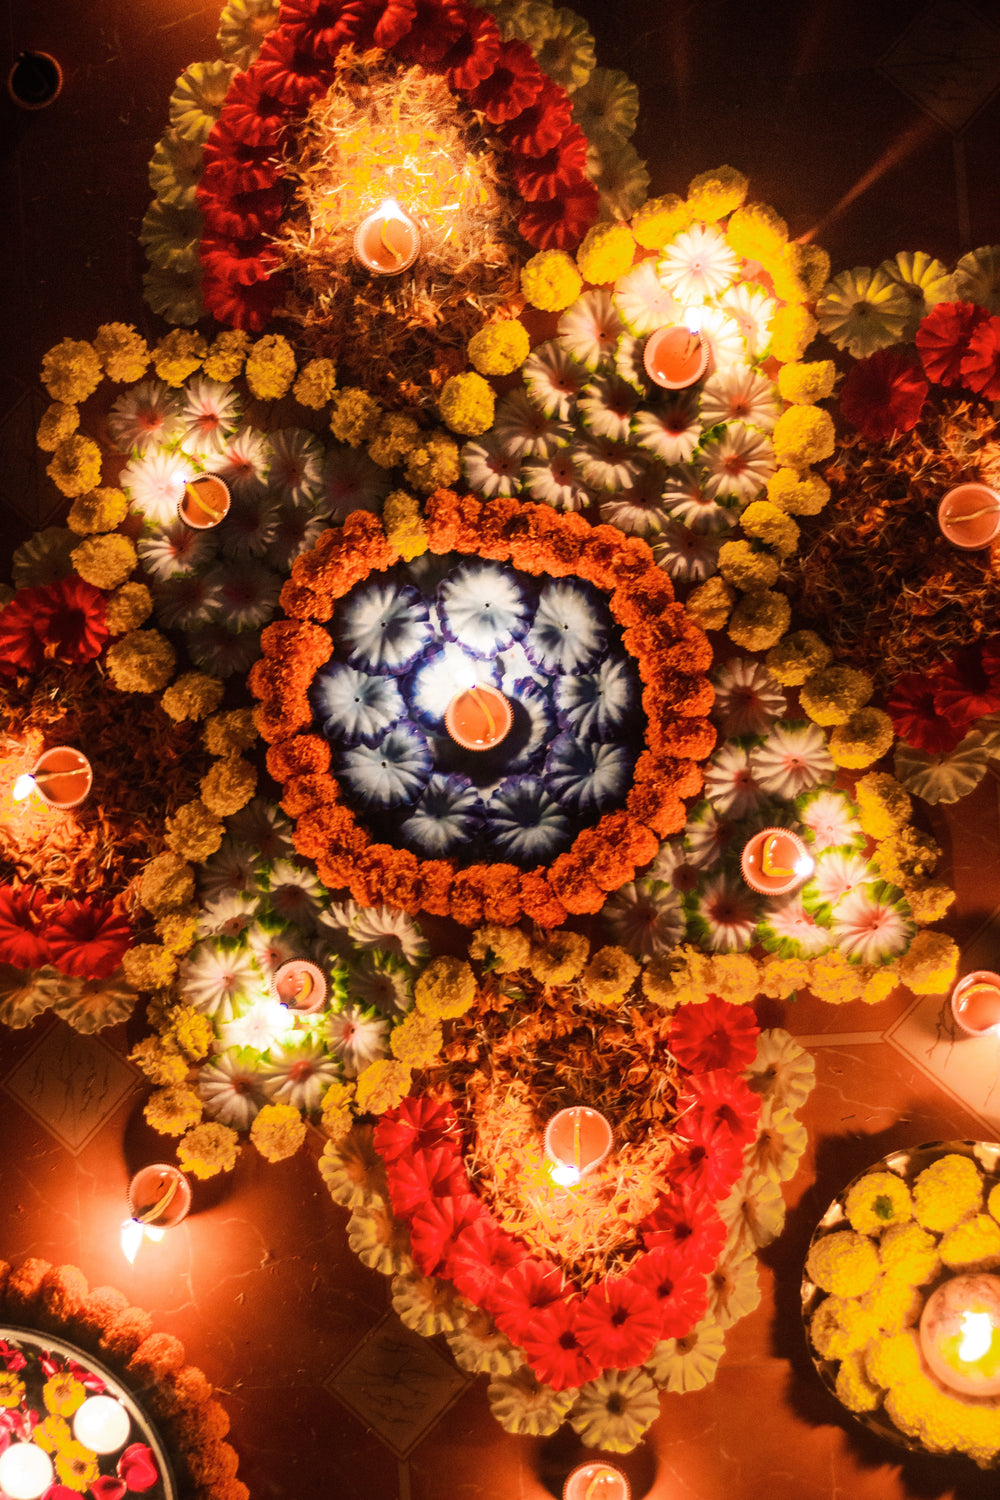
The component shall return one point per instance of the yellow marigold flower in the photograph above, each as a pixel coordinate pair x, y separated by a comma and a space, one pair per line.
160, 1059
759, 620
166, 884
832, 694
142, 661
742, 565
102, 510
129, 607
892, 1303
192, 1032
177, 930
466, 403
104, 561
354, 417
208, 1149
278, 1131
907, 854
803, 435
435, 465
993, 1202
884, 804
770, 525
173, 1110
928, 900
946, 1191
316, 383
71, 371
404, 525
710, 604
52, 1433
11, 1390
756, 232
122, 351
893, 1361
797, 657
853, 1388
792, 330
224, 360
270, 367
734, 977
799, 492
680, 977
194, 832
844, 1263
835, 980
974, 1242
781, 977
558, 957
63, 1394
805, 384
909, 1254
930, 964
605, 253
228, 786
609, 975
825, 1331
416, 1041
147, 966
713, 195
862, 739
76, 1466
550, 281
446, 988
337, 1116
505, 949
877, 1200
396, 435
878, 986
499, 348
193, 696
229, 732
659, 220
59, 421
178, 354
75, 466
382, 1085
798, 272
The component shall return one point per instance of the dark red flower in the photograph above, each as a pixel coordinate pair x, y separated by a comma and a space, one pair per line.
720, 1103
288, 75
435, 1173
23, 939
527, 1287
981, 364
619, 1321
88, 941
229, 166
417, 1124
883, 395
137, 1467
436, 1228
915, 716
513, 85
555, 1350
542, 177
679, 1287
943, 339
560, 223
714, 1035
435, 26
964, 691
542, 125
244, 215
474, 55
685, 1221
65, 621
256, 104
104, 1487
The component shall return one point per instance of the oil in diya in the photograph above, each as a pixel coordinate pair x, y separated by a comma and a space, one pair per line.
676, 356
478, 717
975, 1003
775, 861
960, 1334
62, 777
577, 1142
969, 516
205, 502
387, 242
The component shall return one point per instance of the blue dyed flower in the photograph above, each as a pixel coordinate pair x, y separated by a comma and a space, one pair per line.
384, 626
526, 825
596, 705
435, 680
587, 776
353, 706
389, 774
484, 607
533, 703
447, 815
570, 630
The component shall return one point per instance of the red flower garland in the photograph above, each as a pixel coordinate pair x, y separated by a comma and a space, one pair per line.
569, 1336
241, 283
671, 653
66, 620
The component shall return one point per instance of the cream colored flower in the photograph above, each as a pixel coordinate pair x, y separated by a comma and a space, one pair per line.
479, 1348
522, 1405
863, 310
427, 1305
352, 1170
689, 1363
379, 1241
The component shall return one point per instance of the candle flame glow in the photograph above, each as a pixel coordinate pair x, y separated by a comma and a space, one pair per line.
390, 209
132, 1233
23, 787
803, 866
976, 1336
692, 319
565, 1175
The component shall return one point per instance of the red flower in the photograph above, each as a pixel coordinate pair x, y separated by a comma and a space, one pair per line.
104, 1487
721, 1104
246, 214
943, 339
981, 364
436, 1173
22, 935
482, 1260
137, 1467
883, 395
714, 1035
685, 1221
679, 1287
416, 1124
619, 1321
555, 1350
436, 1228
541, 177
541, 126
527, 1287
88, 941
964, 691
66, 621
915, 717
434, 28
708, 1163
474, 55
560, 223
514, 84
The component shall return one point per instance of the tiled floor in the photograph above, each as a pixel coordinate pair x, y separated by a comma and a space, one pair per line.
871, 127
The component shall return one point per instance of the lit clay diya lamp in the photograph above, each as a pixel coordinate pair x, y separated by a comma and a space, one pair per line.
387, 242
975, 1003
969, 516
577, 1142
676, 356
478, 718
775, 861
960, 1334
62, 777
301, 986
159, 1196
596, 1480
205, 502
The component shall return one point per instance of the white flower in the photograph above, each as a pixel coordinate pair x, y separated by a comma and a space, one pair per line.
831, 817
747, 698
925, 281
147, 414
378, 981
263, 825
670, 428
219, 979
789, 927
296, 471
837, 873
869, 927
685, 499
783, 1072
174, 549
233, 867
862, 310
730, 783
706, 835
301, 1071
638, 508
244, 461
259, 1027
211, 412
645, 917
294, 893
272, 944
723, 336
295, 531
673, 866
643, 302
185, 600
726, 909
357, 1038
351, 481
739, 393
249, 593
483, 607
793, 759
751, 309
228, 914
155, 484
606, 406
390, 931
590, 329
524, 431
686, 555
554, 379
489, 468
249, 528
697, 264
734, 1286
689, 1363
737, 464
614, 1410
605, 464
230, 1088
557, 481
